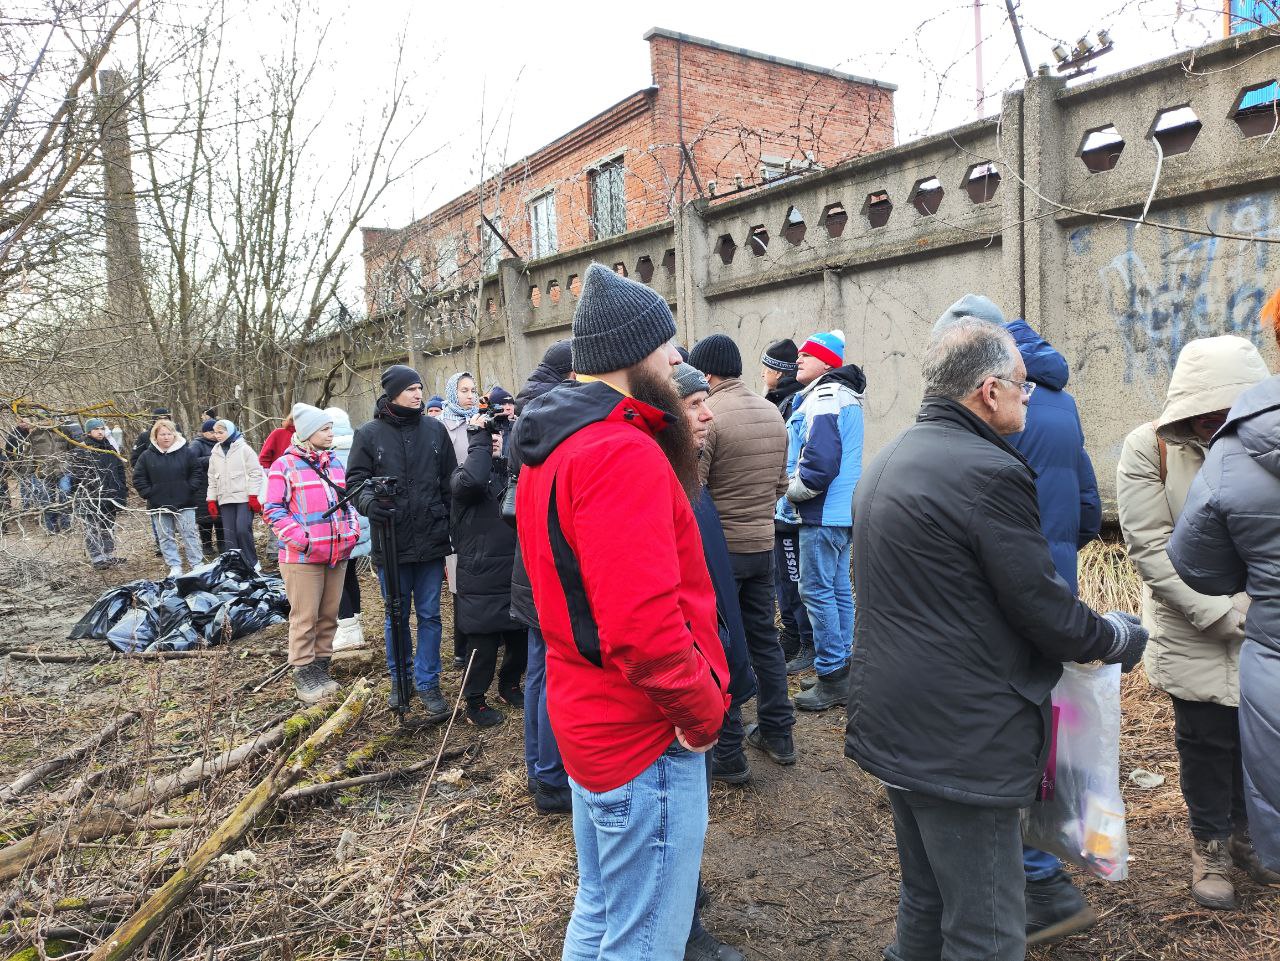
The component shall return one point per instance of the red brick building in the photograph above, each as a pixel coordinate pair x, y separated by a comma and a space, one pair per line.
743, 117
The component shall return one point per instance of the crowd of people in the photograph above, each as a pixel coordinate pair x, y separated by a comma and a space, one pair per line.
624, 535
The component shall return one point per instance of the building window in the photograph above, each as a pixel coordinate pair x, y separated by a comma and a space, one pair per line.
542, 225
608, 201
413, 275
492, 244
447, 260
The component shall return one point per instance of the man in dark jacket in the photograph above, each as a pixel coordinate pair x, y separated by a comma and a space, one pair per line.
962, 631
636, 675
401, 442
554, 369
1226, 541
99, 492
486, 548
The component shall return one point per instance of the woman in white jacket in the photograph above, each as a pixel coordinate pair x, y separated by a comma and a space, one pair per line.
235, 478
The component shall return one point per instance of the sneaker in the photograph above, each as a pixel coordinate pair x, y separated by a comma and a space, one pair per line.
101, 565
703, 946
1240, 847
802, 661
549, 799
326, 679
830, 691
308, 683
481, 714
512, 696
780, 747
1210, 869
350, 633
732, 769
434, 703
1055, 910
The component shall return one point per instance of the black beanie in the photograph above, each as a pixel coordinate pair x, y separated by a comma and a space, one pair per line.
781, 355
398, 378
559, 358
717, 355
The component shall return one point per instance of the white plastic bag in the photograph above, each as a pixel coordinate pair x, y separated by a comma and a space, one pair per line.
1080, 814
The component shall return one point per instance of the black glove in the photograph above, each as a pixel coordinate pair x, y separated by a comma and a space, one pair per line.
1129, 642
380, 512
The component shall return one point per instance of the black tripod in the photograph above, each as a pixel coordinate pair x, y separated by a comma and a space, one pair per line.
384, 491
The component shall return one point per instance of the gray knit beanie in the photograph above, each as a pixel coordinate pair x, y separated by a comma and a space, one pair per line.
307, 420
618, 322
689, 380
970, 305
717, 355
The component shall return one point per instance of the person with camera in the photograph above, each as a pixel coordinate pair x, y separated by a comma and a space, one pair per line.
486, 547
402, 443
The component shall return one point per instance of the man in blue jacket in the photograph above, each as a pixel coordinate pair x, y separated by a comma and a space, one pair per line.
1070, 517
824, 462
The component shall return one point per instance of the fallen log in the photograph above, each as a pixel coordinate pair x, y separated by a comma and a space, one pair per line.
68, 657
118, 815
43, 770
129, 937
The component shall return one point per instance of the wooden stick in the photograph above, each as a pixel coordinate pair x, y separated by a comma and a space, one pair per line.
43, 770
129, 936
324, 787
65, 657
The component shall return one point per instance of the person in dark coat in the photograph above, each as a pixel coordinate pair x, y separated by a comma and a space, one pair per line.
99, 492
1226, 541
486, 547
210, 526
555, 368
167, 475
962, 630
401, 442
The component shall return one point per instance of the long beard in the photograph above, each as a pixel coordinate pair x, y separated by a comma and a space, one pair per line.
676, 439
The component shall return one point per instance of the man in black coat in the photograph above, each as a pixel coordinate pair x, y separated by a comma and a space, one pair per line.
99, 492
401, 442
963, 626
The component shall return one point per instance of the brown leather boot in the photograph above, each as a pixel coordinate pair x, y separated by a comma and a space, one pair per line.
1246, 859
1210, 884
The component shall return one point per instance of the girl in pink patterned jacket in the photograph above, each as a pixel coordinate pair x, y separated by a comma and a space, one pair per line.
301, 486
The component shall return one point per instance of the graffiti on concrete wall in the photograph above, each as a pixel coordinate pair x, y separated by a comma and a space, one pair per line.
1168, 288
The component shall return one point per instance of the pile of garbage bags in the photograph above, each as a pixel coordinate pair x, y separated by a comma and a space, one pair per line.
218, 601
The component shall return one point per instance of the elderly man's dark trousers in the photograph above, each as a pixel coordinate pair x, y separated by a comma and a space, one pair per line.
961, 896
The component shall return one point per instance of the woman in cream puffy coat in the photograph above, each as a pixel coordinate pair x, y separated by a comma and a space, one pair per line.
235, 479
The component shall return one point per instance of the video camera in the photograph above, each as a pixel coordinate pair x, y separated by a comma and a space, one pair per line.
495, 421
384, 488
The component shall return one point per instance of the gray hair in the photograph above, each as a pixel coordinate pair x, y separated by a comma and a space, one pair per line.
964, 354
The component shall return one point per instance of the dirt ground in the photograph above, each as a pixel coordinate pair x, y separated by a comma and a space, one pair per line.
800, 862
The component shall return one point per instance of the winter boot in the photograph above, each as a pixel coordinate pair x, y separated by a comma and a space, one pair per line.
1210, 884
434, 704
831, 690
780, 747
1056, 909
1246, 859
703, 946
549, 799
309, 683
731, 769
802, 661
350, 633
481, 714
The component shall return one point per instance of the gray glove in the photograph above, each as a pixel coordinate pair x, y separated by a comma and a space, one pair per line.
1129, 642
797, 493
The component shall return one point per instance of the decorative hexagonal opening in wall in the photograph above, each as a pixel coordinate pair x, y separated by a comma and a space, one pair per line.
726, 248
1100, 148
574, 284
644, 269
835, 218
981, 181
758, 239
535, 296
793, 227
1257, 109
877, 208
926, 196
1175, 130
669, 261
553, 291
620, 269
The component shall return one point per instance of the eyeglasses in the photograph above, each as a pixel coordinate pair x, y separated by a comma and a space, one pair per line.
1027, 387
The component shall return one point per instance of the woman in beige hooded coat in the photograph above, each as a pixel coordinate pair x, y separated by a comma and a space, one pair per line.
1194, 651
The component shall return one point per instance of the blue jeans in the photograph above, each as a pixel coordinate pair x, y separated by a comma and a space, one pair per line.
639, 851
1039, 865
827, 592
420, 590
541, 753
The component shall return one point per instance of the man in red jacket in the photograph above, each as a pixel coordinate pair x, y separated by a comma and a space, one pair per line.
636, 676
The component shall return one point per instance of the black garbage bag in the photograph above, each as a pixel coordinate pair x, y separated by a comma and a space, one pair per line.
132, 632
239, 617
168, 613
182, 638
204, 605
229, 572
111, 606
